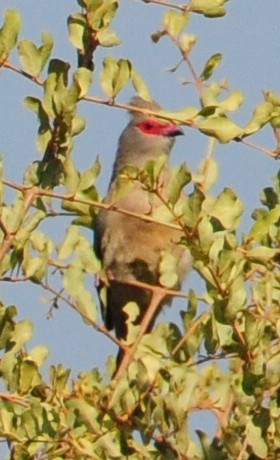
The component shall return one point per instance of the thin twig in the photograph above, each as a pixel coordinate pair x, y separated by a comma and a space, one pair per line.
157, 298
191, 331
168, 4
132, 108
15, 399
268, 152
70, 197
9, 65
87, 318
243, 449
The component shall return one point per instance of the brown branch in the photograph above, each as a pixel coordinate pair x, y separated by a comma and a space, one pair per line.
268, 152
15, 399
243, 449
165, 291
132, 108
191, 331
70, 197
14, 279
87, 318
157, 298
10, 237
9, 65
224, 415
168, 4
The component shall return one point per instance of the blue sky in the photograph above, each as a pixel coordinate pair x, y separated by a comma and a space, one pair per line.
248, 38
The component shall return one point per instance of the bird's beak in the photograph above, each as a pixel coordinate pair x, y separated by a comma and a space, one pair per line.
172, 130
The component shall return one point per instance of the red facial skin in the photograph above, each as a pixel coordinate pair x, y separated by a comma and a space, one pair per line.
155, 127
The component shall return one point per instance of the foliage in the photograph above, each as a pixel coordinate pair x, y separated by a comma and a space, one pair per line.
145, 414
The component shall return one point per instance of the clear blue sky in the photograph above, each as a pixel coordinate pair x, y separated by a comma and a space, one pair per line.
248, 37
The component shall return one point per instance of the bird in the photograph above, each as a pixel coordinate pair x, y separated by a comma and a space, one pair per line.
131, 249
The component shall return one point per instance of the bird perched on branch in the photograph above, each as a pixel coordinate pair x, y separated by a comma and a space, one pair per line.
131, 248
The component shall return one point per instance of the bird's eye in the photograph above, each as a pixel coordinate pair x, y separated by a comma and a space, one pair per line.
148, 126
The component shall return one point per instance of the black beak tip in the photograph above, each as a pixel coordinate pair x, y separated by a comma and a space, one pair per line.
177, 132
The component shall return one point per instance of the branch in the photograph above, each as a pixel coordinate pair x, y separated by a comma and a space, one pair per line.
169, 4
87, 318
157, 298
160, 289
15, 399
9, 237
12, 67
243, 449
191, 331
70, 197
268, 152
132, 108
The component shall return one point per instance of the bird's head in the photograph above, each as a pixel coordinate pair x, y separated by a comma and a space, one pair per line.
151, 125
146, 136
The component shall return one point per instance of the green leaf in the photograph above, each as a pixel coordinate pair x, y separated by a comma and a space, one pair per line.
207, 174
44, 131
131, 310
107, 76
221, 128
123, 75
261, 254
209, 99
26, 231
7, 315
29, 376
74, 283
107, 38
192, 208
78, 125
256, 441
227, 209
33, 59
139, 85
232, 102
209, 8
38, 354
30, 57
35, 268
186, 42
211, 64
261, 116
82, 78
90, 4
67, 247
77, 29
88, 177
59, 378
150, 175
168, 269
22, 333
185, 115
262, 226
115, 75
237, 299
46, 48
55, 87
87, 257
205, 234
9, 33
174, 22
180, 176
101, 14
88, 413
8, 370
